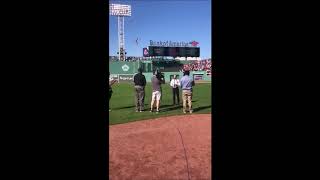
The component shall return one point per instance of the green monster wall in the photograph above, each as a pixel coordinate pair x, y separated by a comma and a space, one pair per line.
124, 72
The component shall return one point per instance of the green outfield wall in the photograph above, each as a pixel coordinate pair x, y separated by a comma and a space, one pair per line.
124, 72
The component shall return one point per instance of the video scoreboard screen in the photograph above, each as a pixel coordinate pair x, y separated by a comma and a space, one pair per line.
174, 51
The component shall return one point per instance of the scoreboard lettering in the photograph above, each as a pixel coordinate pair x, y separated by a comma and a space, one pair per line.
174, 51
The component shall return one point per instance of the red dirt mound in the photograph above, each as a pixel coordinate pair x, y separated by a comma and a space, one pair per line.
167, 148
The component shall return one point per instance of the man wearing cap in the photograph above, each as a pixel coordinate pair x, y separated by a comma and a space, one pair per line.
139, 85
186, 85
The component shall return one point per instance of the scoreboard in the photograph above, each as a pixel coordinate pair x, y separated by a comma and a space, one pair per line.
174, 51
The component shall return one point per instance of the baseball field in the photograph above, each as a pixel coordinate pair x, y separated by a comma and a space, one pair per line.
169, 145
122, 103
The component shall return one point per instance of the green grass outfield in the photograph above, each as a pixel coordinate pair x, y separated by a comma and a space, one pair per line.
122, 103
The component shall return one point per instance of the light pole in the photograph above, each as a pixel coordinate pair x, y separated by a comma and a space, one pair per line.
121, 11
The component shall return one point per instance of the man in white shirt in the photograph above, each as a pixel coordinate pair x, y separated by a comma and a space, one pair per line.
175, 83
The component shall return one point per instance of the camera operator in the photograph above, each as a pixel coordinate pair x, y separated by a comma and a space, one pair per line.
156, 81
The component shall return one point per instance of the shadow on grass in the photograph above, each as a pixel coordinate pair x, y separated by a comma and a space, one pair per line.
172, 108
126, 107
166, 105
201, 108
146, 106
164, 108
191, 101
180, 107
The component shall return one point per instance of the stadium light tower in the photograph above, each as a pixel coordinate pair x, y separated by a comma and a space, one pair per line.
121, 11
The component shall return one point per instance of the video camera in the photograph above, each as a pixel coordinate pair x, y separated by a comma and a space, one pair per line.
160, 76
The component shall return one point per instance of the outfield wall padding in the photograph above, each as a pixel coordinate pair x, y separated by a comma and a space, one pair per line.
124, 71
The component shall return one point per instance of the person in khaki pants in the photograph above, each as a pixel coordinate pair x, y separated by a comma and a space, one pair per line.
186, 85
139, 88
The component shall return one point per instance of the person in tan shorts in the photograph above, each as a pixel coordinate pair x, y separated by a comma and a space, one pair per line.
156, 95
156, 82
186, 85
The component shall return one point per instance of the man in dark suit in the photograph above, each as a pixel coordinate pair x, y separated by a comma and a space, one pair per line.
175, 83
139, 85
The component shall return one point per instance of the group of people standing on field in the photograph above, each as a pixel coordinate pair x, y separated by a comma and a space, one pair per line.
185, 83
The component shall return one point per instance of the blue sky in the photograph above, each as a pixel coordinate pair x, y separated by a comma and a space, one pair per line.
163, 20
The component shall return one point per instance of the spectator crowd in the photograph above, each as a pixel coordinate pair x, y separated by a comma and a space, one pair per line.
203, 65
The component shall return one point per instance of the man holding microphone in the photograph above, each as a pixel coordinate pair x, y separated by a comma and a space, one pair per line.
175, 83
